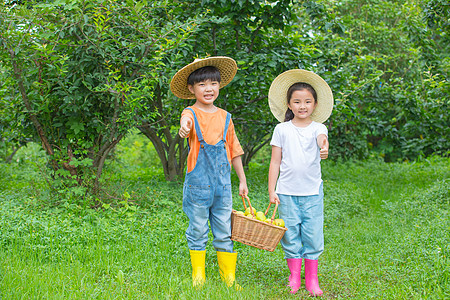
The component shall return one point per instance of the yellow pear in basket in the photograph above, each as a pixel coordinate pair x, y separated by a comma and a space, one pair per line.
247, 211
238, 212
260, 216
268, 220
279, 222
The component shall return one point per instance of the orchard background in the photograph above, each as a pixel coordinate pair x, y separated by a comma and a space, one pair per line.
92, 167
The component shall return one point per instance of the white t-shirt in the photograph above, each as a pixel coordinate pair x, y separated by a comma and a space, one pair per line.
300, 158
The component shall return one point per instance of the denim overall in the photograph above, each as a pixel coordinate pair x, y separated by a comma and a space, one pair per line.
207, 195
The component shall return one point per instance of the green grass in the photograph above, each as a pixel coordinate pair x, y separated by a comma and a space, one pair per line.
387, 235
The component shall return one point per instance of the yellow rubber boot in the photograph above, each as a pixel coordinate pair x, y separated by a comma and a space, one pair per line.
198, 267
227, 267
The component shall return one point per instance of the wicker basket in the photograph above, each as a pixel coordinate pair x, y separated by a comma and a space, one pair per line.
256, 233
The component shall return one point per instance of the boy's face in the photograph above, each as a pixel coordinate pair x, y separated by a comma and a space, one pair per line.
206, 92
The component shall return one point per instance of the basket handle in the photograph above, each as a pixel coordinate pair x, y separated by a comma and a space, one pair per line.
274, 211
245, 197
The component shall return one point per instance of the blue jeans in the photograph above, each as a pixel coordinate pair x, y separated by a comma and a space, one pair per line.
207, 195
202, 203
303, 217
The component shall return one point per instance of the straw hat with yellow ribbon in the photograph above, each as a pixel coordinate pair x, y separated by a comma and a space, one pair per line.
226, 66
281, 84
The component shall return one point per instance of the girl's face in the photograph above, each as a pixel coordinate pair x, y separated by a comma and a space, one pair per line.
302, 104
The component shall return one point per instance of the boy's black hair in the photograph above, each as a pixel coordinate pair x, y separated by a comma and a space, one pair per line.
202, 74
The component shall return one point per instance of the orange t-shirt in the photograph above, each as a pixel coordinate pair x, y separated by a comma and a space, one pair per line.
212, 126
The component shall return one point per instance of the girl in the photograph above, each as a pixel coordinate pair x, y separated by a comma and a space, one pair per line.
301, 100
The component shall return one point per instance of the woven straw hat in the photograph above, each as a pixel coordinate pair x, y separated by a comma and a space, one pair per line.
226, 66
281, 84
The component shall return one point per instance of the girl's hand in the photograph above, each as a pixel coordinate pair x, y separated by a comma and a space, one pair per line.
324, 153
273, 197
322, 142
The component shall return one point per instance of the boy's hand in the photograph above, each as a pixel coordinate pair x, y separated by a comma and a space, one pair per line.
243, 189
186, 125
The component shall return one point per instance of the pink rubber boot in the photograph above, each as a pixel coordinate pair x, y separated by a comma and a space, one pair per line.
295, 266
311, 280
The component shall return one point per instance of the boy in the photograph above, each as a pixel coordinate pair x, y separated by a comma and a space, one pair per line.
213, 145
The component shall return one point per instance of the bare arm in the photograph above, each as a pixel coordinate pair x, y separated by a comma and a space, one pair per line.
239, 168
322, 142
274, 171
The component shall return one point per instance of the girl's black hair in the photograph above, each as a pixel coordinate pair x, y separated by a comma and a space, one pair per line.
202, 74
298, 86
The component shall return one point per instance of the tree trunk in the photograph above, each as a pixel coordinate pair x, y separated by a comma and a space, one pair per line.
18, 74
249, 153
10, 157
100, 159
172, 154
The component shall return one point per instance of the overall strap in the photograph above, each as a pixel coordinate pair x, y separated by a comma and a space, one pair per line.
197, 126
227, 122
